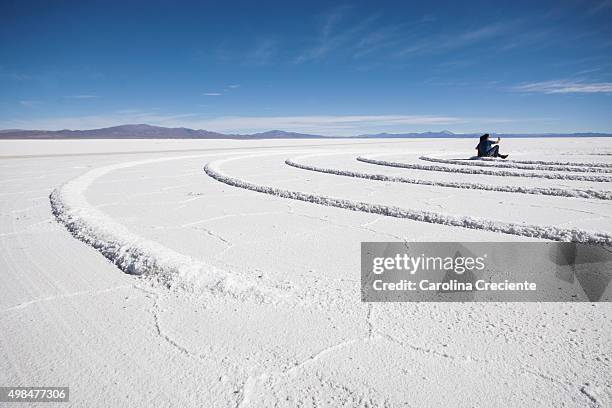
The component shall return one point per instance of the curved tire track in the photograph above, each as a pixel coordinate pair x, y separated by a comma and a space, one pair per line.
513, 165
136, 255
502, 173
533, 231
549, 191
551, 163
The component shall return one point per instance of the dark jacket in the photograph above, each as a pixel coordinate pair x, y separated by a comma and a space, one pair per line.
484, 146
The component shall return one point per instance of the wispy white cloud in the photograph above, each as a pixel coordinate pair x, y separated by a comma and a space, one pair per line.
226, 89
14, 76
82, 96
332, 37
384, 39
428, 18
341, 32
564, 87
262, 53
29, 103
136, 111
445, 42
322, 123
597, 7
534, 38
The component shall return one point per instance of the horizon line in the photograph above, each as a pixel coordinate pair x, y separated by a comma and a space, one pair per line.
4, 133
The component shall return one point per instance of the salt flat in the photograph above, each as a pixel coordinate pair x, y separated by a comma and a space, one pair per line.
250, 298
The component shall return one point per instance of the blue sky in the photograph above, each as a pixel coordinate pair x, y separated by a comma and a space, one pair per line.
335, 69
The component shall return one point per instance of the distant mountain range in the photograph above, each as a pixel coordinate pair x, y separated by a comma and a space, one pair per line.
143, 131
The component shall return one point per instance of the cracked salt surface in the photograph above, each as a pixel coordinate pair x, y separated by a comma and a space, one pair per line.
142, 344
